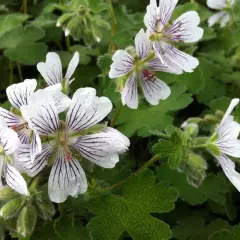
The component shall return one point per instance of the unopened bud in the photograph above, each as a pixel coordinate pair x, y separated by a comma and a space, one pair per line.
46, 210
104, 62
6, 193
192, 129
197, 162
11, 208
211, 119
26, 221
196, 178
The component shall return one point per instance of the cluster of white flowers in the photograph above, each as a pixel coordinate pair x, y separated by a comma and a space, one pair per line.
33, 135
154, 51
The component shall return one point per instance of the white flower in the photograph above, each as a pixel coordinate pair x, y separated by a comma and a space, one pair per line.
9, 143
18, 95
67, 140
228, 144
139, 68
162, 33
223, 15
51, 70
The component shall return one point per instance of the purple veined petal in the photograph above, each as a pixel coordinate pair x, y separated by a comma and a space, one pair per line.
158, 48
41, 114
183, 60
23, 137
225, 20
151, 18
215, 18
154, 89
15, 180
67, 178
228, 167
86, 109
129, 95
10, 118
22, 159
166, 8
61, 100
102, 148
143, 44
185, 28
8, 138
217, 4
156, 65
72, 66
35, 146
51, 70
122, 64
19, 93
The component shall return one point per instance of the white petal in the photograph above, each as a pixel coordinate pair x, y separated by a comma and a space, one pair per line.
159, 52
154, 89
15, 180
72, 66
8, 138
225, 20
232, 105
156, 65
51, 71
183, 60
41, 114
66, 178
151, 18
185, 28
18, 93
122, 64
129, 95
23, 161
86, 109
166, 8
143, 44
103, 148
35, 146
217, 4
62, 101
10, 118
1, 168
216, 18
228, 167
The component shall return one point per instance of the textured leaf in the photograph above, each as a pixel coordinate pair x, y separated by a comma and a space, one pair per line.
131, 212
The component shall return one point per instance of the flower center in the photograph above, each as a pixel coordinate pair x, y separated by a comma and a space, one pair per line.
147, 75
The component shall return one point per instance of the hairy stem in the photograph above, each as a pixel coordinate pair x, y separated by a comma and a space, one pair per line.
25, 6
11, 73
113, 25
199, 146
20, 71
146, 165
113, 122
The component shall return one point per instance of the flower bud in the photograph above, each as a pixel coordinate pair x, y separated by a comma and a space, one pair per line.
26, 221
46, 210
192, 129
196, 177
197, 162
11, 208
6, 193
104, 62
211, 119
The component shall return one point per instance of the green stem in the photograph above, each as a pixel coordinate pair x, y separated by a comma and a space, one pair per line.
68, 43
35, 182
20, 71
25, 6
113, 25
11, 73
146, 165
113, 122
199, 146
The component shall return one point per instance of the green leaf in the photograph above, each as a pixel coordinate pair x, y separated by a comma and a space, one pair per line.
147, 118
131, 212
222, 235
36, 52
214, 186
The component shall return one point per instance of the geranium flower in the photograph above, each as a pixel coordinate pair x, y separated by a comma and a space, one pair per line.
140, 67
225, 139
9, 143
51, 70
163, 34
67, 141
18, 95
223, 16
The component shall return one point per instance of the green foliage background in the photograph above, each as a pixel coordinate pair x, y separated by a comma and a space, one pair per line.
158, 203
